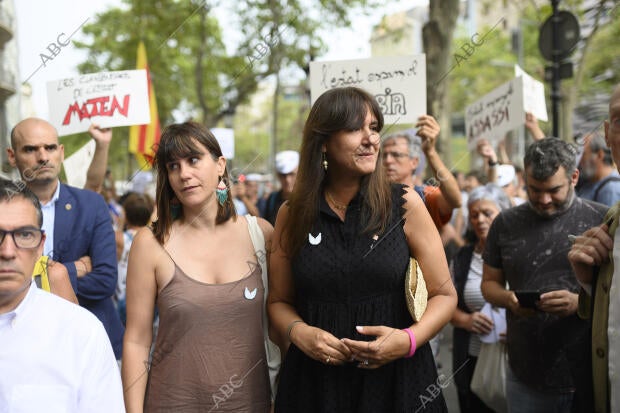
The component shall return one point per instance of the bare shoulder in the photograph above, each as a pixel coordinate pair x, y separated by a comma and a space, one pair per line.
412, 199
266, 227
148, 253
144, 236
144, 243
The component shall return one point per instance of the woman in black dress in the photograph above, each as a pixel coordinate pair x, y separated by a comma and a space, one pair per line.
341, 248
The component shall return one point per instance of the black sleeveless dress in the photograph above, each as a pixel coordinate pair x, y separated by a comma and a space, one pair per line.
341, 283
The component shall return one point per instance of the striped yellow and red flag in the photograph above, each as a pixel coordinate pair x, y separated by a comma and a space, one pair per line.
143, 139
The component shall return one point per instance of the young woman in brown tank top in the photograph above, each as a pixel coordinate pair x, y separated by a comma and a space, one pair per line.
199, 266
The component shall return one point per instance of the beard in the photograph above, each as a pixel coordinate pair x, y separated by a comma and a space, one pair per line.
560, 207
586, 173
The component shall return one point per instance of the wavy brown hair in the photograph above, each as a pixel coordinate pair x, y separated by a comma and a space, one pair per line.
179, 141
341, 109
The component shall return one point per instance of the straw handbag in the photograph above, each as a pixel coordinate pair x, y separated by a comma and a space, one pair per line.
415, 290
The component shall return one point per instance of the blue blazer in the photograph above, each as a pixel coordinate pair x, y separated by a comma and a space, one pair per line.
83, 226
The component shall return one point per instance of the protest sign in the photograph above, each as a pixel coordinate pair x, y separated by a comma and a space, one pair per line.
495, 114
533, 95
76, 165
108, 98
397, 83
226, 138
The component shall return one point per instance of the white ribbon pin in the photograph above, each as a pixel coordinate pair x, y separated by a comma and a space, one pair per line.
314, 240
250, 295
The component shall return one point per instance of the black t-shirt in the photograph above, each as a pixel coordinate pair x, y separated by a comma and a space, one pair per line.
545, 351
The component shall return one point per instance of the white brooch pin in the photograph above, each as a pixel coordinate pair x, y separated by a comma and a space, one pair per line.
314, 240
250, 294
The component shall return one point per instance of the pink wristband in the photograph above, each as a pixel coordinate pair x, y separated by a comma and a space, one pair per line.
412, 343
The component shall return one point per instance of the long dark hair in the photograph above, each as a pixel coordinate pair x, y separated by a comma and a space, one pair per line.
179, 141
334, 111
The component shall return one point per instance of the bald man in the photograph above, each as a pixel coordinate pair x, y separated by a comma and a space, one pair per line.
78, 227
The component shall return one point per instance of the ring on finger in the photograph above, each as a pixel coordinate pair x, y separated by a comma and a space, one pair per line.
365, 362
328, 359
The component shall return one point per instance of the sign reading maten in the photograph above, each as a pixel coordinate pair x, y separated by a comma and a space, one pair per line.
398, 83
107, 98
495, 114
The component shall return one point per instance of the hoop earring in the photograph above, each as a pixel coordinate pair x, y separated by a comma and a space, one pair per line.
324, 162
222, 192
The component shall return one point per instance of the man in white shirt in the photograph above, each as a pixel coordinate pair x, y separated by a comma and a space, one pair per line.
599, 276
54, 355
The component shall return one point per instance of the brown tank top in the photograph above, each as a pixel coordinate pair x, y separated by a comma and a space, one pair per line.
209, 353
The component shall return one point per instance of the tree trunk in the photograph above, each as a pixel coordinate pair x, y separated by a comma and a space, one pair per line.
437, 39
570, 97
199, 70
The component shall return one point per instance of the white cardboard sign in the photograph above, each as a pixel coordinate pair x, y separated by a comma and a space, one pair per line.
226, 138
397, 83
76, 165
107, 98
495, 114
533, 95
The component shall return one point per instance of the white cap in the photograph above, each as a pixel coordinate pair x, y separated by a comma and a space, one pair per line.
505, 174
286, 161
254, 177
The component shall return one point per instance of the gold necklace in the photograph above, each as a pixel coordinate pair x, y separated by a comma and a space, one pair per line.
336, 204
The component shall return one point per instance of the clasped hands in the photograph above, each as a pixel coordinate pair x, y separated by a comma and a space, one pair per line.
389, 344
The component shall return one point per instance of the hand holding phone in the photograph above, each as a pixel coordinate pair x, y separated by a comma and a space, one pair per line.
527, 298
559, 302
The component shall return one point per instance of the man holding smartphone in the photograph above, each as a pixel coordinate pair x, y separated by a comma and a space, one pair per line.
526, 247
599, 299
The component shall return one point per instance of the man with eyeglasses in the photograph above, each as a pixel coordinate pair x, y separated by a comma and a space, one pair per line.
54, 355
79, 229
401, 157
594, 257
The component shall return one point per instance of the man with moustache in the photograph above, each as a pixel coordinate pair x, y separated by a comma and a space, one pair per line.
548, 346
593, 257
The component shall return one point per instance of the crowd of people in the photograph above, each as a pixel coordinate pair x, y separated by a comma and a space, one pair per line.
222, 295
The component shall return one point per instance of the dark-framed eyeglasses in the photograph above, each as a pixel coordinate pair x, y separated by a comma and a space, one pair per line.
24, 237
395, 155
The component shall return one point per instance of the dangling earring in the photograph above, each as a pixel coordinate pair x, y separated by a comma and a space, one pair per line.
175, 208
324, 162
222, 192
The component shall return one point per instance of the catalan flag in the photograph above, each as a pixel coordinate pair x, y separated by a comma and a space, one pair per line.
143, 139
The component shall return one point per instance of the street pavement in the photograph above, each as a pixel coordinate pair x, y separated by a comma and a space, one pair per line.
445, 360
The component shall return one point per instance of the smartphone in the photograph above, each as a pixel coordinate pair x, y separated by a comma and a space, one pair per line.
527, 299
